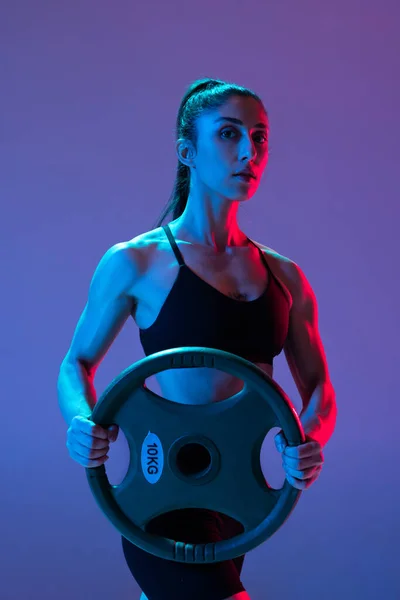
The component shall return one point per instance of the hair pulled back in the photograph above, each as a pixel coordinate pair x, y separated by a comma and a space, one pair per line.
202, 95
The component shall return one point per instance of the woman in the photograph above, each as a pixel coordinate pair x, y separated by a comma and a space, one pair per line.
202, 282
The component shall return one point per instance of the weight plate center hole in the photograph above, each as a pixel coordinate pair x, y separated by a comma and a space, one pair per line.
193, 460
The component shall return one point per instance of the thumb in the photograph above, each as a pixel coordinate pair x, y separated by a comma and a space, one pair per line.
112, 433
280, 441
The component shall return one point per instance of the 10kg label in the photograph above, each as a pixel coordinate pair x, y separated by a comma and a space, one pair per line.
152, 458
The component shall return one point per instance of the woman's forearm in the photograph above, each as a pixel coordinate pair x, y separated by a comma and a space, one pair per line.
76, 393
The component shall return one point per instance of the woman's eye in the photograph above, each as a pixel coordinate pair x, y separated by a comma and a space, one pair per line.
259, 135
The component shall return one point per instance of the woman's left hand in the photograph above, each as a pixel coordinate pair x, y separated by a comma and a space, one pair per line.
303, 463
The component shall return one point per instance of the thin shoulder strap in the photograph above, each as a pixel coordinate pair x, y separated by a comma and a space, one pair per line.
275, 277
261, 253
174, 246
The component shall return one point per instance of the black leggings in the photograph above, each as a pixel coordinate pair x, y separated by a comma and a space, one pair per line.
162, 579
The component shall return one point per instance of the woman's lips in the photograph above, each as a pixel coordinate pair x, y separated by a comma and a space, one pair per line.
245, 178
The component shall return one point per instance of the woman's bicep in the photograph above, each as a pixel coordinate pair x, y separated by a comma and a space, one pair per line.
109, 305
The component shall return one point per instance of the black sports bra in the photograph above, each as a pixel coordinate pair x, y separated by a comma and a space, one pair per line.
197, 314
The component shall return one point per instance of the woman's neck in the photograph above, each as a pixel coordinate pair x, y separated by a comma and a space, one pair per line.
217, 229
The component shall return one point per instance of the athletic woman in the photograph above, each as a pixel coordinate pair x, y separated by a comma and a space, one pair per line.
201, 281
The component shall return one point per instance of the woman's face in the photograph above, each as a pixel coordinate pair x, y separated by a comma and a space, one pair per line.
225, 147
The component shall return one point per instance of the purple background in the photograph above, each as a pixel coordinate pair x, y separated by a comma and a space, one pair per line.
89, 96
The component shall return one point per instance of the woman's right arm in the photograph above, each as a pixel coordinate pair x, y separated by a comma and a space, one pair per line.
110, 302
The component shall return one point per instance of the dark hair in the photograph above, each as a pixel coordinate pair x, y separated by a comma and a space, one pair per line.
203, 94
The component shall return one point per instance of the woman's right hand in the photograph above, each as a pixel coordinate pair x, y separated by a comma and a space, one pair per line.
89, 443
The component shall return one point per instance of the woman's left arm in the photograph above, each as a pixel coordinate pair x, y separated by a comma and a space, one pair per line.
307, 361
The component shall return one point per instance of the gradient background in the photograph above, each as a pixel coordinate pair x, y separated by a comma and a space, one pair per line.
89, 96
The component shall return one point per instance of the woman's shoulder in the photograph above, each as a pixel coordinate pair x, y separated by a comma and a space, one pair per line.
279, 260
146, 240
285, 269
144, 247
